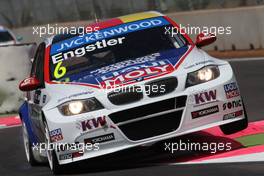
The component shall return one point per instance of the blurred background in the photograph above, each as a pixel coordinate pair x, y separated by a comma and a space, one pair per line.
244, 17
21, 13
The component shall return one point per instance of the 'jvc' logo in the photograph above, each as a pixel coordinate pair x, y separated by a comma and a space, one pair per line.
93, 123
205, 97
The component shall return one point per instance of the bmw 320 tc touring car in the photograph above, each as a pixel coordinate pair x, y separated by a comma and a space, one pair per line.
127, 84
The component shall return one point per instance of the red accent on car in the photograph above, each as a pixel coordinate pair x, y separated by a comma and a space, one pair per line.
203, 39
29, 84
105, 24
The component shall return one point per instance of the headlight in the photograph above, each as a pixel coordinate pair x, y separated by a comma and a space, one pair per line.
75, 107
80, 106
203, 75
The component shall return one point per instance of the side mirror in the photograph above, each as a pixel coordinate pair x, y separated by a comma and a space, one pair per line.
29, 84
203, 39
19, 38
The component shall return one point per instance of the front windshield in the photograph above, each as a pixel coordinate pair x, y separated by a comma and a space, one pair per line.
5, 36
103, 53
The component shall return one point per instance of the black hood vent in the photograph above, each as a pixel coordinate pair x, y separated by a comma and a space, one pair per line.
125, 95
161, 86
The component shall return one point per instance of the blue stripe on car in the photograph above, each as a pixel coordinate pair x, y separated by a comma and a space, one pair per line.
24, 114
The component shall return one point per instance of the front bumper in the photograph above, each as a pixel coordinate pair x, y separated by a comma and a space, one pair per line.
155, 119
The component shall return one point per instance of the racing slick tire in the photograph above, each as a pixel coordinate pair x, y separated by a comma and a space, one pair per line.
51, 155
33, 157
236, 126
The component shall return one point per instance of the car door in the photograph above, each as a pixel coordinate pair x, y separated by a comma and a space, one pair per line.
35, 97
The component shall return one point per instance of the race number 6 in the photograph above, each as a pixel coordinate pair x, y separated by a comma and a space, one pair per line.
59, 71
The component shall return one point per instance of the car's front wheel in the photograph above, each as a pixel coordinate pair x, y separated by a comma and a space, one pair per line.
51, 155
33, 156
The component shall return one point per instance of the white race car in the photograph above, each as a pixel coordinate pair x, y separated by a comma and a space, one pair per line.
7, 37
128, 83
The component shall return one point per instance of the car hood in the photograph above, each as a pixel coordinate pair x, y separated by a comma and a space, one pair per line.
132, 71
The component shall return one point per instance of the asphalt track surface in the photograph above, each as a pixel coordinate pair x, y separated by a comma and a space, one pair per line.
150, 161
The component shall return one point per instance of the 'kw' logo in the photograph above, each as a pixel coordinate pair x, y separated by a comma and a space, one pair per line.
205, 97
93, 123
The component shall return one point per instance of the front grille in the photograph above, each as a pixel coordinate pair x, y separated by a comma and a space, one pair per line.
161, 87
128, 95
152, 127
181, 101
144, 110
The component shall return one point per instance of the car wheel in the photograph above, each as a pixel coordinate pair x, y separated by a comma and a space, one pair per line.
28, 147
236, 126
51, 155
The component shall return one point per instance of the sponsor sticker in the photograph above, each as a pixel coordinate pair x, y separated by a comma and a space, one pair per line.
70, 155
81, 51
75, 95
65, 156
100, 139
135, 73
231, 90
37, 96
205, 112
233, 115
205, 97
107, 33
232, 104
199, 63
56, 135
93, 123
44, 99
127, 63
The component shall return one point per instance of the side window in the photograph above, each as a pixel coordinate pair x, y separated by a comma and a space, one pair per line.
33, 68
38, 63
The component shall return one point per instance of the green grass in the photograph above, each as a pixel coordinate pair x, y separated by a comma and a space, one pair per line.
7, 115
251, 140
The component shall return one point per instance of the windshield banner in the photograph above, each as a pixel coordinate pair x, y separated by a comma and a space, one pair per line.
107, 33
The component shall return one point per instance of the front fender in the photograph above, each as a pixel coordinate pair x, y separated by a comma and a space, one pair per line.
25, 117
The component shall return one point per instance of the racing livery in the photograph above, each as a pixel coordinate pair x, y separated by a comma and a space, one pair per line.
127, 83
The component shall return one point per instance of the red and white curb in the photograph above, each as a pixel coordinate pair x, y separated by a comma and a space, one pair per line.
7, 122
238, 154
254, 157
251, 154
